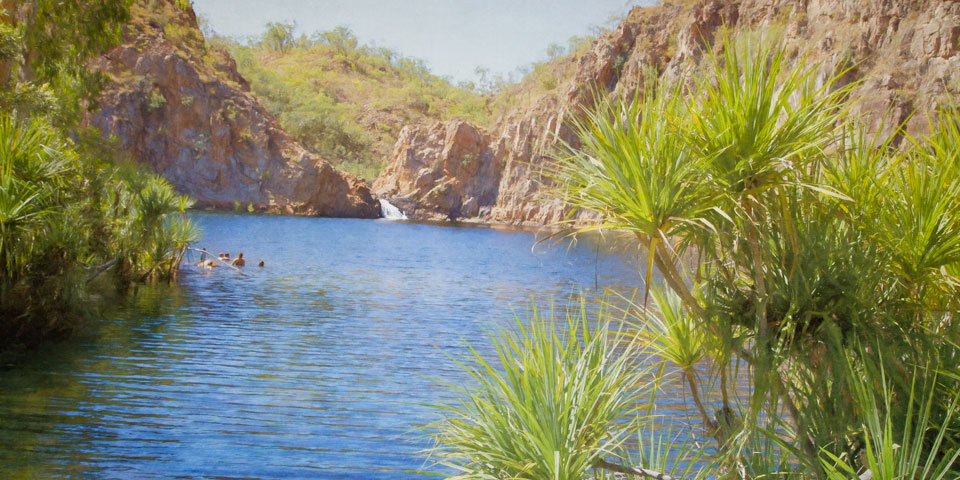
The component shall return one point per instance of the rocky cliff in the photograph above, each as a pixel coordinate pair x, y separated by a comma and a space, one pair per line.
449, 167
182, 109
906, 54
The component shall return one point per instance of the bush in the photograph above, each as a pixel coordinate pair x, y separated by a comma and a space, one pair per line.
64, 219
826, 278
156, 100
549, 404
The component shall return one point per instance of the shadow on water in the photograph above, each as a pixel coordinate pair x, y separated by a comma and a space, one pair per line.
315, 366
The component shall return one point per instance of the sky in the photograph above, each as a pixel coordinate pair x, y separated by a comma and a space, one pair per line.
453, 37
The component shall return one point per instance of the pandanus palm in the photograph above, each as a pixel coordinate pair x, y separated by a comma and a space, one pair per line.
57, 219
632, 165
806, 233
810, 236
30, 171
550, 404
712, 168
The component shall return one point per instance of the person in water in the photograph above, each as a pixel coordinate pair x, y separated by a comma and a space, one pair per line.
239, 261
203, 257
204, 263
261, 264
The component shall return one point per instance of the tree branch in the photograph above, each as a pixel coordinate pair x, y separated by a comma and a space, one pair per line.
695, 393
613, 467
102, 268
660, 258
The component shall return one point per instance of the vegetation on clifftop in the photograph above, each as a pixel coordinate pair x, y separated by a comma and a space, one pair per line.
347, 101
344, 100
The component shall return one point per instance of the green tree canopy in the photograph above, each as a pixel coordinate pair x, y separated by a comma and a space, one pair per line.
278, 36
44, 46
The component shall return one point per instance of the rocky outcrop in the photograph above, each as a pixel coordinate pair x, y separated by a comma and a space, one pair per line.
443, 171
187, 114
904, 54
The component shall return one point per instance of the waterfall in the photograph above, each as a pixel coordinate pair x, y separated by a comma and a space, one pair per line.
390, 211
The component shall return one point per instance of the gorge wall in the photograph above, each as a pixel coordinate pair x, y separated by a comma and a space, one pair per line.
182, 109
906, 54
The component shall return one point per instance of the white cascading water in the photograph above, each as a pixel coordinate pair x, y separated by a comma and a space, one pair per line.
390, 211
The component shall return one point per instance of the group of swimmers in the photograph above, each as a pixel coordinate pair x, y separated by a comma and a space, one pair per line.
225, 258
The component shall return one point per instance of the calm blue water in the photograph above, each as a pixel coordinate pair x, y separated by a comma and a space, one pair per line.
313, 367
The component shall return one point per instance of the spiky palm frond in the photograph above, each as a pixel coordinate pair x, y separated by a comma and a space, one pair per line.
670, 333
903, 438
549, 404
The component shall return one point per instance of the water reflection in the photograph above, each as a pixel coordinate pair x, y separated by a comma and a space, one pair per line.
313, 367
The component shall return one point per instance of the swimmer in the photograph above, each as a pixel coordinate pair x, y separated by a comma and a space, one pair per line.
239, 261
203, 257
204, 263
261, 264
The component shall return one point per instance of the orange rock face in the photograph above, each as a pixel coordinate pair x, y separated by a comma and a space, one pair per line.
905, 54
191, 120
447, 170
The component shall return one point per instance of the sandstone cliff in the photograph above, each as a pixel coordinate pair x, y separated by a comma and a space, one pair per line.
183, 110
905, 53
450, 167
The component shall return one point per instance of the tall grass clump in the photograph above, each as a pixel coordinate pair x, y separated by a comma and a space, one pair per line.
550, 403
811, 265
909, 439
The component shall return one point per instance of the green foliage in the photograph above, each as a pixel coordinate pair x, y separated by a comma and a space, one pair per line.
66, 215
278, 37
901, 441
10, 42
342, 40
184, 35
344, 100
577, 44
541, 78
156, 100
61, 215
810, 237
549, 405
54, 39
670, 333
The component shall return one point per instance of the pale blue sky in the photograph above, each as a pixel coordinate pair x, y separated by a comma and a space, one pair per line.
452, 36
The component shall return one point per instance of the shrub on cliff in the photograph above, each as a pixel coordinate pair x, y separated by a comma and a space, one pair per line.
343, 100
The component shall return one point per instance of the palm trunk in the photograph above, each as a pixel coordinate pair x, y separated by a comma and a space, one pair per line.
695, 393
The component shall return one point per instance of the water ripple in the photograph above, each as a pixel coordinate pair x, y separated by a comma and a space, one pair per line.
316, 366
